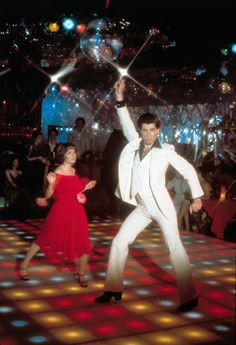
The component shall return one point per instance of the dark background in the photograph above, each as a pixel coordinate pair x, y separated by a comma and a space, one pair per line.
199, 27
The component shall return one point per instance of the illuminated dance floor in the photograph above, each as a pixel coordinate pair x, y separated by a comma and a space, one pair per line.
52, 308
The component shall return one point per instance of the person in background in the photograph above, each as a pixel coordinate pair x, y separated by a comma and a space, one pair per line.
38, 165
142, 168
79, 136
181, 199
206, 186
180, 187
65, 232
52, 142
15, 192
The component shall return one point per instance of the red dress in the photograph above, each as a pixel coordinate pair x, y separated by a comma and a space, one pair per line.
65, 232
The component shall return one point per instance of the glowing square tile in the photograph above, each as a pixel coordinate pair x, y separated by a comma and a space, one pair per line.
72, 288
220, 296
228, 279
34, 306
72, 335
227, 269
168, 320
207, 271
217, 311
18, 294
9, 250
107, 329
164, 289
39, 339
113, 311
4, 309
127, 341
163, 338
196, 334
48, 291
140, 307
145, 280
95, 285
138, 325
143, 292
83, 316
166, 303
62, 302
49, 320
21, 243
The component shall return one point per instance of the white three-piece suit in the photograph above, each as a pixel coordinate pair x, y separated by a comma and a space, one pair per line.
145, 178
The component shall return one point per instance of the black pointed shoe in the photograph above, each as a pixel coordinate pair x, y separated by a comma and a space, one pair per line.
107, 296
184, 307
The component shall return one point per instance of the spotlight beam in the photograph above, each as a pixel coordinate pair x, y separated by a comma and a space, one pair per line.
144, 44
67, 67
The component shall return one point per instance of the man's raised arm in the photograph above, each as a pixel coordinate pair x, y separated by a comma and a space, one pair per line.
127, 125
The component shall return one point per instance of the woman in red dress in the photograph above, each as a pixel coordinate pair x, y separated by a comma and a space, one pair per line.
65, 232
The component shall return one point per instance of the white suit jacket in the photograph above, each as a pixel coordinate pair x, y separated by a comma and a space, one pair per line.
159, 162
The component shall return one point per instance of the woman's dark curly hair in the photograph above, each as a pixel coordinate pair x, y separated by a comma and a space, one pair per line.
61, 151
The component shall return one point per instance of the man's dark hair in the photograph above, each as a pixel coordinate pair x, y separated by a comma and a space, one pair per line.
148, 118
80, 119
53, 129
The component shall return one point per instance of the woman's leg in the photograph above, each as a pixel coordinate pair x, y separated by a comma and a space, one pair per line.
81, 264
34, 248
80, 270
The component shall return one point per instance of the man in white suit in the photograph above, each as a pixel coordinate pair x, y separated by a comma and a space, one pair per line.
142, 168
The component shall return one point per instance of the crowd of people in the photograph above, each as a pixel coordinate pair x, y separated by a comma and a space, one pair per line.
23, 176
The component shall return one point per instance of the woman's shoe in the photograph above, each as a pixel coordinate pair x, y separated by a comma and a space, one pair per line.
80, 279
24, 274
107, 296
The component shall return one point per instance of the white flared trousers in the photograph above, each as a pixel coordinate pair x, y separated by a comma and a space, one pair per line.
130, 229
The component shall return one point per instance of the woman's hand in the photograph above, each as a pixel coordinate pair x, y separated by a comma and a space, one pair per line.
81, 198
45, 161
42, 202
90, 185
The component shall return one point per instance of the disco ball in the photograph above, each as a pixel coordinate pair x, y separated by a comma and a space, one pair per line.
99, 42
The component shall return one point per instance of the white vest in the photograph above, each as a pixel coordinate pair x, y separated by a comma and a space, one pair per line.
140, 176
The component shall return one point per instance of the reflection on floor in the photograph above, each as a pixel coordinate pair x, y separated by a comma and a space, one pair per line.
52, 308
